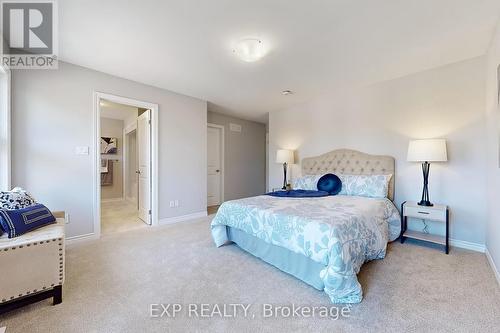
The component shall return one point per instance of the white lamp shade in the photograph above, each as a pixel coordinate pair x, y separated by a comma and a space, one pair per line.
432, 150
284, 156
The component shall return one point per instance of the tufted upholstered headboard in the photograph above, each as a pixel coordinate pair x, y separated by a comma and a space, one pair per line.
351, 162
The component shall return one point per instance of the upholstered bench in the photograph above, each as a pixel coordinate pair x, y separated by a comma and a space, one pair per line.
32, 266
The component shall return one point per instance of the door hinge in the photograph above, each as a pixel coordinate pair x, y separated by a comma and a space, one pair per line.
149, 121
149, 212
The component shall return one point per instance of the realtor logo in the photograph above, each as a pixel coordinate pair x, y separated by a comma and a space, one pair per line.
29, 38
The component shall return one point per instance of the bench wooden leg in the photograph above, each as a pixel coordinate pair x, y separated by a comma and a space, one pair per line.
57, 295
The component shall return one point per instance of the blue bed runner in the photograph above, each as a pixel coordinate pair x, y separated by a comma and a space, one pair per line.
299, 194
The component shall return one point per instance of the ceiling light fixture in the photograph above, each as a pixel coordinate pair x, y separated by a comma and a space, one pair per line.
287, 92
249, 49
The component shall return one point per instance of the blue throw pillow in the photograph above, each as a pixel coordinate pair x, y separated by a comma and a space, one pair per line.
330, 183
19, 221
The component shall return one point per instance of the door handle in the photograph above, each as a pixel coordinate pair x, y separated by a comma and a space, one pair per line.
138, 172
217, 170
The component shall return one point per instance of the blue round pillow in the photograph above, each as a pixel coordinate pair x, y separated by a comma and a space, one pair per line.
330, 183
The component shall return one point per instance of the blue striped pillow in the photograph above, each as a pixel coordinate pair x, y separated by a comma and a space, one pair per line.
20, 221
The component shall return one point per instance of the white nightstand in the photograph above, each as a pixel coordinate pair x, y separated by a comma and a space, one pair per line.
439, 213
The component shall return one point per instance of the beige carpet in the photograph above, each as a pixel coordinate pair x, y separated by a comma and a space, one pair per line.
119, 216
110, 284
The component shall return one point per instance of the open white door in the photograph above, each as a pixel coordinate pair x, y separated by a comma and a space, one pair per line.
144, 162
214, 175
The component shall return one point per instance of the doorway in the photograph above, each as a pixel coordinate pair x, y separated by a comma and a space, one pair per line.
215, 167
126, 158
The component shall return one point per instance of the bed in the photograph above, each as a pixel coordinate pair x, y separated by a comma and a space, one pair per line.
322, 241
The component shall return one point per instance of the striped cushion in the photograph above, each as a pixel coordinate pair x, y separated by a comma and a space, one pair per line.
20, 221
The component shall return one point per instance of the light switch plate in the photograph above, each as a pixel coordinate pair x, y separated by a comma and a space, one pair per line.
82, 150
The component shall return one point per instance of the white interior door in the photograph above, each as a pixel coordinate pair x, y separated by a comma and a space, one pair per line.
144, 163
132, 166
214, 179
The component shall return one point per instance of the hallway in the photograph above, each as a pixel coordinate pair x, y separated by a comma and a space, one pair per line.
119, 216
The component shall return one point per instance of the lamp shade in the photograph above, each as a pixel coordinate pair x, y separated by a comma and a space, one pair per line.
284, 156
432, 150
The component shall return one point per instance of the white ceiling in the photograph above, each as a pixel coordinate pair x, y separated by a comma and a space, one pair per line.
315, 46
117, 111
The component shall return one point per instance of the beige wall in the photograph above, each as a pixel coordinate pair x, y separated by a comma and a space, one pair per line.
493, 167
245, 157
113, 128
5, 145
446, 102
53, 114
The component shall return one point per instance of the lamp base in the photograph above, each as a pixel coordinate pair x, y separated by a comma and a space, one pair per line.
425, 192
285, 165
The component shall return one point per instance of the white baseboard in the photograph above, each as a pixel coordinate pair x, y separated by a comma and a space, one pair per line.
493, 266
81, 238
165, 221
177, 219
467, 245
111, 200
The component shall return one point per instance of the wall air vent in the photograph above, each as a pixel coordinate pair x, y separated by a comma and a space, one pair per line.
235, 128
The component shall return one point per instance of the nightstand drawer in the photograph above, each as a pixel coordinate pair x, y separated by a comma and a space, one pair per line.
425, 213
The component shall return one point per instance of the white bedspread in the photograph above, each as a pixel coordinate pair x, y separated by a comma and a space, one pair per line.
341, 232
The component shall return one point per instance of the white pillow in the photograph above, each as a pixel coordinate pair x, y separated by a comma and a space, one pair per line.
17, 198
308, 182
371, 186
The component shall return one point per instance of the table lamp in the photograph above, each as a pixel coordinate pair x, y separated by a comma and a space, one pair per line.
426, 151
286, 157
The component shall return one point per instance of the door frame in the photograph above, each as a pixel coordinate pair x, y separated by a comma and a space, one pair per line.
97, 155
222, 157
